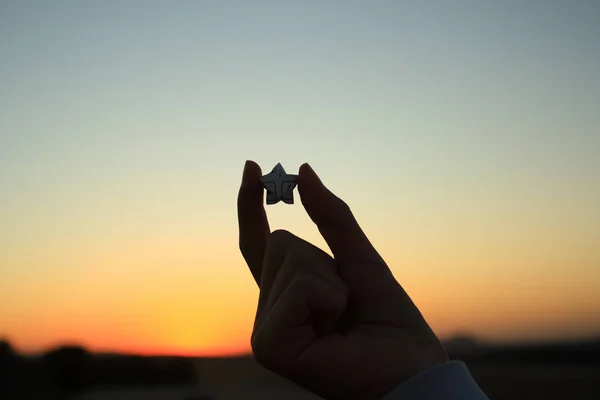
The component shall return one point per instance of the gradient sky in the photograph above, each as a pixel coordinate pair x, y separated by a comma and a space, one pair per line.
464, 135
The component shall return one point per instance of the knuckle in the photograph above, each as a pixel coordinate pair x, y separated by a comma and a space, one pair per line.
262, 349
279, 235
333, 211
281, 240
299, 250
257, 346
302, 282
249, 251
243, 245
343, 207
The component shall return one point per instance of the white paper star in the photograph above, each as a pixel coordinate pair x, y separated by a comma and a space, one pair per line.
280, 186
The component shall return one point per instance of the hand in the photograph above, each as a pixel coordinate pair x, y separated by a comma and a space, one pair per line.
341, 327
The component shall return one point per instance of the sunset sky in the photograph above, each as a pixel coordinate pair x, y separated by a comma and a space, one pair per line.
464, 135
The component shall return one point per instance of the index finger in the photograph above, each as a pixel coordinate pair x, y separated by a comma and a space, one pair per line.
252, 219
335, 221
375, 295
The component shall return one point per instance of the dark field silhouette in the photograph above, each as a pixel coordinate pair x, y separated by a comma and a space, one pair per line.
542, 371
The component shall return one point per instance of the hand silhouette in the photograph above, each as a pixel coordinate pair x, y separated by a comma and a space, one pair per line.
341, 327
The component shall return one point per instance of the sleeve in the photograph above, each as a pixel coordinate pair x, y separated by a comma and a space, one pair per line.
447, 381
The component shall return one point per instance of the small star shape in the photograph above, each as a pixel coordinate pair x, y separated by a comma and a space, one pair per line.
279, 185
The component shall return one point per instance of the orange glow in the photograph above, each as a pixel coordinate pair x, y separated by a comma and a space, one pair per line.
170, 295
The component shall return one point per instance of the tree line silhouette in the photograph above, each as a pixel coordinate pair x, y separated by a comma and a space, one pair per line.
73, 369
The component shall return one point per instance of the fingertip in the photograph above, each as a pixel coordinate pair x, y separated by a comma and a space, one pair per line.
252, 173
307, 177
307, 172
305, 166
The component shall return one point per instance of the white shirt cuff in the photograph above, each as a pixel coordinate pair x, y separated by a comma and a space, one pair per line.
447, 381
